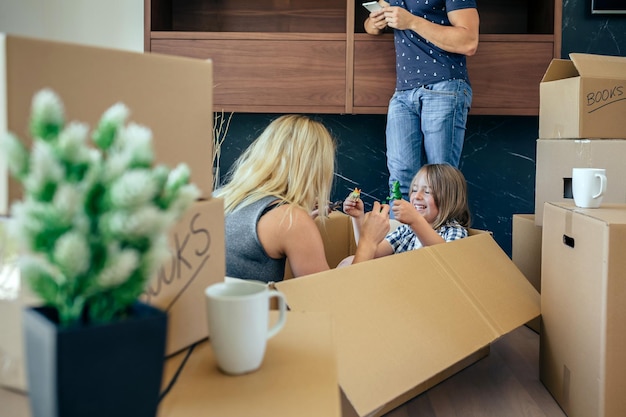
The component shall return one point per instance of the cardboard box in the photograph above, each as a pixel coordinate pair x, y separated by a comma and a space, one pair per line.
526, 253
556, 158
583, 98
298, 377
583, 338
198, 260
408, 321
170, 95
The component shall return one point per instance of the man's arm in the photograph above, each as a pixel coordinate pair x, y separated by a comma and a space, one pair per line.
460, 38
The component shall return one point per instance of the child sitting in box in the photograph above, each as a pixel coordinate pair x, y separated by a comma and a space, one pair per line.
438, 212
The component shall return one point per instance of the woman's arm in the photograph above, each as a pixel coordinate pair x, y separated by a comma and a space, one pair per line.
374, 228
297, 237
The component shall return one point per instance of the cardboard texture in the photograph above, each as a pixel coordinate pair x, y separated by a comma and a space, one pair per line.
298, 377
556, 158
583, 98
407, 321
526, 253
338, 237
170, 95
583, 339
526, 248
198, 260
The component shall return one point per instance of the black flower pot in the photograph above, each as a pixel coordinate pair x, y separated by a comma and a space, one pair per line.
103, 370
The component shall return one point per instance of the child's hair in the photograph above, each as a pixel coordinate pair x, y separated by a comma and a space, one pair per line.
293, 159
449, 190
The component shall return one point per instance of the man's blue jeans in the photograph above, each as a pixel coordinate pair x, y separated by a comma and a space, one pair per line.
426, 125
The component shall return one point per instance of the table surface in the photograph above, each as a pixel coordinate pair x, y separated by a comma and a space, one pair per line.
298, 377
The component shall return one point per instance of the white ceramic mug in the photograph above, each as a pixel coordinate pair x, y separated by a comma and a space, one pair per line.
588, 186
238, 318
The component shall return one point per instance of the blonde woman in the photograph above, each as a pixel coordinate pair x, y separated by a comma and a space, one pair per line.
272, 189
437, 212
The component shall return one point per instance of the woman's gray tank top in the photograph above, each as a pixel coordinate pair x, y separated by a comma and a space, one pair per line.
245, 256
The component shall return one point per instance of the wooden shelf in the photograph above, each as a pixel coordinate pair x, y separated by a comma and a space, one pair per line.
282, 56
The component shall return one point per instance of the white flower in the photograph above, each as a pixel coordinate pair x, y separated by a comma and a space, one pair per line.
132, 189
69, 203
136, 141
133, 225
118, 268
116, 114
36, 267
47, 107
185, 198
72, 143
71, 254
15, 153
45, 168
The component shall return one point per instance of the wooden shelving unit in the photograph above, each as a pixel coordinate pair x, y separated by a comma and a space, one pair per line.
298, 56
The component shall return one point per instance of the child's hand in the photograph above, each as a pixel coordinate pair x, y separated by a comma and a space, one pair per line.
404, 212
353, 208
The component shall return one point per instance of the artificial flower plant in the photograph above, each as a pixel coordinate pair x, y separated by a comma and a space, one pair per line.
94, 219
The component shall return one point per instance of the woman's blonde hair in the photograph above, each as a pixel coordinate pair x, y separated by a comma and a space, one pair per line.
293, 159
449, 189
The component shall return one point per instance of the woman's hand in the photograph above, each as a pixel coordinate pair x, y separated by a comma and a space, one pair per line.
354, 208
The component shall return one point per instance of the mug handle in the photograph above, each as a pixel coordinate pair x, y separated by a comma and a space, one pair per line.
282, 313
602, 185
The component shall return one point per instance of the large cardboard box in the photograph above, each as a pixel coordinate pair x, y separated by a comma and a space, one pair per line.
408, 321
197, 261
170, 95
583, 287
526, 253
298, 377
556, 158
584, 97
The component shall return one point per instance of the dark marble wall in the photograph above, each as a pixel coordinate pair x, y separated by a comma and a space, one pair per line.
498, 158
603, 34
498, 161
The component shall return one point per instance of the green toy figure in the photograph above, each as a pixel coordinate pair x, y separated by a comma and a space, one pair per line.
395, 194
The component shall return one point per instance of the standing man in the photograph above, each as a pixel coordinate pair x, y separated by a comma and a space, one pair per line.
428, 111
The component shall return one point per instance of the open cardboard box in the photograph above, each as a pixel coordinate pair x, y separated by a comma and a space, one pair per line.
172, 96
406, 322
583, 98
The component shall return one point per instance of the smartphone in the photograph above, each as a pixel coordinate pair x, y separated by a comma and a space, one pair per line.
372, 6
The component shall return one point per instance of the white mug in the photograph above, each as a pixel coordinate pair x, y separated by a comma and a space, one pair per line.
588, 186
238, 319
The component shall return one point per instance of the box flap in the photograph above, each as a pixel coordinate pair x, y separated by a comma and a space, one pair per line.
403, 319
560, 69
600, 66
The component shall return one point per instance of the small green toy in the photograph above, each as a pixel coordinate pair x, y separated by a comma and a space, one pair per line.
395, 193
